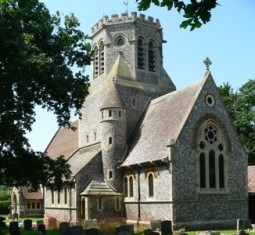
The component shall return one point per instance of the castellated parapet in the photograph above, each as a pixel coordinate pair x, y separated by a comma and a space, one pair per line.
125, 18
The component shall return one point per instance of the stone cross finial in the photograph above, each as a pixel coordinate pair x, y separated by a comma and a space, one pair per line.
207, 63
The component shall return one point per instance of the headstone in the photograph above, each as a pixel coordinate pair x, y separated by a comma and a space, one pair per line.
75, 230
239, 226
92, 231
166, 227
156, 225
127, 229
39, 222
150, 232
27, 224
41, 228
253, 227
63, 228
14, 228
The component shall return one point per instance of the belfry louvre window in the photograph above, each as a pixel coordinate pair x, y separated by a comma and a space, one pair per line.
212, 158
140, 54
101, 57
151, 56
96, 62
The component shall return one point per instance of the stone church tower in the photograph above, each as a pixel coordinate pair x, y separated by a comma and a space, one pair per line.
127, 74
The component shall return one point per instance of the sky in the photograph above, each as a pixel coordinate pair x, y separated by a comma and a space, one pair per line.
228, 40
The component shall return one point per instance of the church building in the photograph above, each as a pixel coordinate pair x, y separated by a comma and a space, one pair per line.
144, 150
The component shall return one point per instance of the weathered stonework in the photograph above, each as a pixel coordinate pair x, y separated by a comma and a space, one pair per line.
140, 141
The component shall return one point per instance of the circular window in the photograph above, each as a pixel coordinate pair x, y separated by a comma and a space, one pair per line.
210, 100
120, 41
211, 135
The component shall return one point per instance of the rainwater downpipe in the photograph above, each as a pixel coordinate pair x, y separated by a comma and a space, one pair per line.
139, 198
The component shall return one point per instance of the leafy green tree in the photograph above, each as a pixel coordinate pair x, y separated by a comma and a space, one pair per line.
37, 53
195, 12
241, 107
5, 199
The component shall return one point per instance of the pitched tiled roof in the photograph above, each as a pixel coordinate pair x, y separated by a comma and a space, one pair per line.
251, 179
163, 121
32, 195
98, 186
82, 157
65, 142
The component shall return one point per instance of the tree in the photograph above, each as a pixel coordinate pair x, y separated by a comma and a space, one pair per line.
37, 53
241, 107
195, 12
5, 199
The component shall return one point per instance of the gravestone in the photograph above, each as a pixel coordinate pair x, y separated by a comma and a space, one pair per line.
166, 227
150, 232
14, 228
27, 224
156, 225
92, 231
63, 228
41, 228
39, 222
127, 229
75, 230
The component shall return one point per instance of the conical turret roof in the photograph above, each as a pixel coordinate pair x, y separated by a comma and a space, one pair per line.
112, 100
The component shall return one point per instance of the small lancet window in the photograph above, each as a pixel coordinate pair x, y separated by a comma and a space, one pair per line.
151, 185
126, 186
131, 187
140, 54
151, 56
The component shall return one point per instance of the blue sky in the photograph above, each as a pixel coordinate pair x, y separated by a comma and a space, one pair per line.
228, 40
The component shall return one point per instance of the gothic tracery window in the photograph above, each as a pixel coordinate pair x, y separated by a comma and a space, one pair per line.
212, 158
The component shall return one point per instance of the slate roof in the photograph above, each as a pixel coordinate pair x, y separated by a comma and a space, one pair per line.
82, 157
97, 187
32, 195
251, 180
64, 142
162, 123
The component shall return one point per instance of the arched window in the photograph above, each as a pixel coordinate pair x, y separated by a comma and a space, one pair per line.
96, 62
140, 54
101, 57
212, 169
52, 197
202, 171
212, 158
151, 56
65, 195
151, 185
131, 187
126, 186
221, 171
